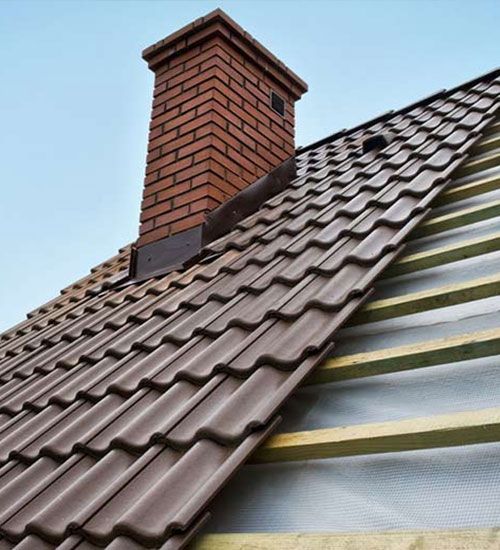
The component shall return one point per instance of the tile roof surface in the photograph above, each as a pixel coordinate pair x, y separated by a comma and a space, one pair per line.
124, 409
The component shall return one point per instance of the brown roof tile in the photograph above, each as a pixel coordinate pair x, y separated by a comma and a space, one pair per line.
113, 397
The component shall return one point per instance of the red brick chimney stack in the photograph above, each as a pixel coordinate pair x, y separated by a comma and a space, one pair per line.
223, 116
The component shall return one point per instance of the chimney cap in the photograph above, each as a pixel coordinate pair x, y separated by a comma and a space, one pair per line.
219, 22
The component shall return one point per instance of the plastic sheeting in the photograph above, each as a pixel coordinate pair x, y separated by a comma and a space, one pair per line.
433, 489
420, 327
455, 235
454, 273
423, 392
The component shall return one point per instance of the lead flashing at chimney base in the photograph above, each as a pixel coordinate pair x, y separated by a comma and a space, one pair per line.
215, 128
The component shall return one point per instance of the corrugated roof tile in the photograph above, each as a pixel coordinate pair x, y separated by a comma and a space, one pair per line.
123, 410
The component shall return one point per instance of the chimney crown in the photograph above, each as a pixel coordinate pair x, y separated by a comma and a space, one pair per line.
222, 117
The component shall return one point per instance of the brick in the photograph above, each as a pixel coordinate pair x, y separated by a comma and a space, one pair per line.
162, 93
273, 135
179, 120
192, 171
159, 88
205, 34
246, 117
216, 181
244, 70
185, 57
157, 132
174, 100
214, 72
246, 139
198, 193
227, 115
183, 76
215, 49
230, 164
187, 223
173, 215
199, 99
154, 235
172, 191
146, 226
194, 147
148, 201
212, 131
176, 167
179, 142
164, 160
204, 154
203, 205
162, 139
151, 178
156, 210
195, 123
218, 62
234, 91
236, 182
157, 186
269, 156
220, 135
259, 137
158, 110
165, 117
153, 155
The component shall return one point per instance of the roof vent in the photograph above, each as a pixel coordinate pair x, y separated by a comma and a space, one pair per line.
277, 103
377, 142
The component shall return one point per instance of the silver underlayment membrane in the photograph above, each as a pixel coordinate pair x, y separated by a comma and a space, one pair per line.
422, 392
432, 489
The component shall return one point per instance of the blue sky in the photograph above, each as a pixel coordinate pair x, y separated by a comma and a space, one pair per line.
75, 101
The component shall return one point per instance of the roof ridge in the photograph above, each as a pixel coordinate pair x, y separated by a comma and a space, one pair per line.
489, 75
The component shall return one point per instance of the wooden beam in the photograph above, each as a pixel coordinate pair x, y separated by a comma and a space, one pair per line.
463, 217
468, 190
418, 302
486, 145
444, 255
414, 356
457, 539
491, 129
478, 164
445, 430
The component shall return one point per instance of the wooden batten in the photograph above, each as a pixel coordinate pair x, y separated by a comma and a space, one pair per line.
459, 539
444, 255
487, 145
425, 354
478, 164
463, 217
468, 190
418, 302
461, 428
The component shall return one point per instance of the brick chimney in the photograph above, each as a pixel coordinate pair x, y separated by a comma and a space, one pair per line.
223, 117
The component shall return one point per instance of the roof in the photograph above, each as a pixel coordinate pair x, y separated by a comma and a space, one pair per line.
125, 408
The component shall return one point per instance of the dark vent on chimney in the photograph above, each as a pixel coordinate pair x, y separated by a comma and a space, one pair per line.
277, 103
377, 142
